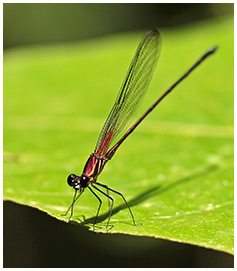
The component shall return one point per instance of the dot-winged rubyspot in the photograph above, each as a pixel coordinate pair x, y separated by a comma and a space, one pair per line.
129, 97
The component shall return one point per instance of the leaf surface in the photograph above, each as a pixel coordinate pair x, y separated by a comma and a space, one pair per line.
175, 170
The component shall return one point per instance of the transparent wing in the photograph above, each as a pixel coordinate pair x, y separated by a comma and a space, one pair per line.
132, 91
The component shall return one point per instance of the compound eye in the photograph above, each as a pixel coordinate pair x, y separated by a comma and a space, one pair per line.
84, 181
71, 179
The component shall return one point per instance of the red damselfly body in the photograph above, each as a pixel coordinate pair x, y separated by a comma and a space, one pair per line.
110, 138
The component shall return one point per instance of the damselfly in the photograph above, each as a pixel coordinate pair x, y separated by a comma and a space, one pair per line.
129, 98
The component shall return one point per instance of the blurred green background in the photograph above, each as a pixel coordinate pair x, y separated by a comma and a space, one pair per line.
26, 24
36, 239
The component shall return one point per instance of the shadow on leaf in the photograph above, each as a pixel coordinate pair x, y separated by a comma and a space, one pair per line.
155, 190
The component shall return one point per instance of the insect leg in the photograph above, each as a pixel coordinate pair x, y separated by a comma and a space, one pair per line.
111, 207
120, 194
73, 202
107, 192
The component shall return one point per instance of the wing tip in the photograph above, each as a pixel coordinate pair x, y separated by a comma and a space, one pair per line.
153, 32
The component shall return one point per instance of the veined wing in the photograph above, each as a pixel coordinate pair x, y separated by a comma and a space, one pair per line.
132, 91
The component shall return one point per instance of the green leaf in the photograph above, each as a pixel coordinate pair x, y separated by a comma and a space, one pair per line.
175, 170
